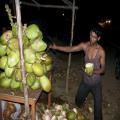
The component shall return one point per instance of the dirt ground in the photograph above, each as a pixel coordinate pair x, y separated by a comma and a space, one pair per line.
111, 86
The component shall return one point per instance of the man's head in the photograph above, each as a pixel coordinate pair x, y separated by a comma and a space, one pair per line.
97, 30
95, 34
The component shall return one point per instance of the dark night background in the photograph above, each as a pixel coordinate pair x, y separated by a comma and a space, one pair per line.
53, 23
56, 23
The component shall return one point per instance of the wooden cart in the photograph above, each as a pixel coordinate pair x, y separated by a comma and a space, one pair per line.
18, 97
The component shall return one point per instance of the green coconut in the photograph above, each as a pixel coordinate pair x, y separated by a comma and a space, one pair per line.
39, 55
6, 36
29, 55
30, 79
17, 75
2, 75
26, 42
38, 45
3, 50
35, 85
45, 83
38, 69
5, 82
71, 115
47, 59
9, 71
3, 62
13, 44
8, 50
45, 69
13, 58
33, 31
49, 67
15, 84
28, 67
40, 35
89, 67
18, 65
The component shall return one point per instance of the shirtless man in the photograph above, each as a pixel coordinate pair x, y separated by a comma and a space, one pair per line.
94, 53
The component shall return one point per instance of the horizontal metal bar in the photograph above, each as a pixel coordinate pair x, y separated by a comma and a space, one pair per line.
50, 6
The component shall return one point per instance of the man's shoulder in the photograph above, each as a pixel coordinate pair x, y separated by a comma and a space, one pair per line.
101, 49
84, 45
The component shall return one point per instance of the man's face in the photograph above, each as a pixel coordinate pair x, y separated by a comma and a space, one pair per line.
93, 37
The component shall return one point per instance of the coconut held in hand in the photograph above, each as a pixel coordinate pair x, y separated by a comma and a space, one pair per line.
89, 67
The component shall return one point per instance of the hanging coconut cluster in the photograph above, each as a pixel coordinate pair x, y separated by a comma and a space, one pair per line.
37, 62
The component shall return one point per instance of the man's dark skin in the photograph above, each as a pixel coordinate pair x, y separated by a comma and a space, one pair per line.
91, 45
96, 54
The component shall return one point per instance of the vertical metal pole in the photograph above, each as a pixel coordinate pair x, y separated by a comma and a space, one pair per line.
71, 41
19, 26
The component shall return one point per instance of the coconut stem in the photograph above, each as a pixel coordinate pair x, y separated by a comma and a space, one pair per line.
8, 10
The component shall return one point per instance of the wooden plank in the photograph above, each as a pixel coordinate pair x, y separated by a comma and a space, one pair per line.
32, 94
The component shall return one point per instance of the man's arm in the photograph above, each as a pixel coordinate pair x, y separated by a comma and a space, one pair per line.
75, 48
102, 62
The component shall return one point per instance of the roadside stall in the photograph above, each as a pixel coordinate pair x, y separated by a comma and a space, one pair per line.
25, 67
26, 71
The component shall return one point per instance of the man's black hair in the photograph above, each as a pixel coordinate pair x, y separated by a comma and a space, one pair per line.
97, 30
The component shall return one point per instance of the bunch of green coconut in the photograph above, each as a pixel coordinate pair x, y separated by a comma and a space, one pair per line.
37, 61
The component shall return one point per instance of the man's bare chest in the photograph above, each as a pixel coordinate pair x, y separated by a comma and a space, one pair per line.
92, 53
